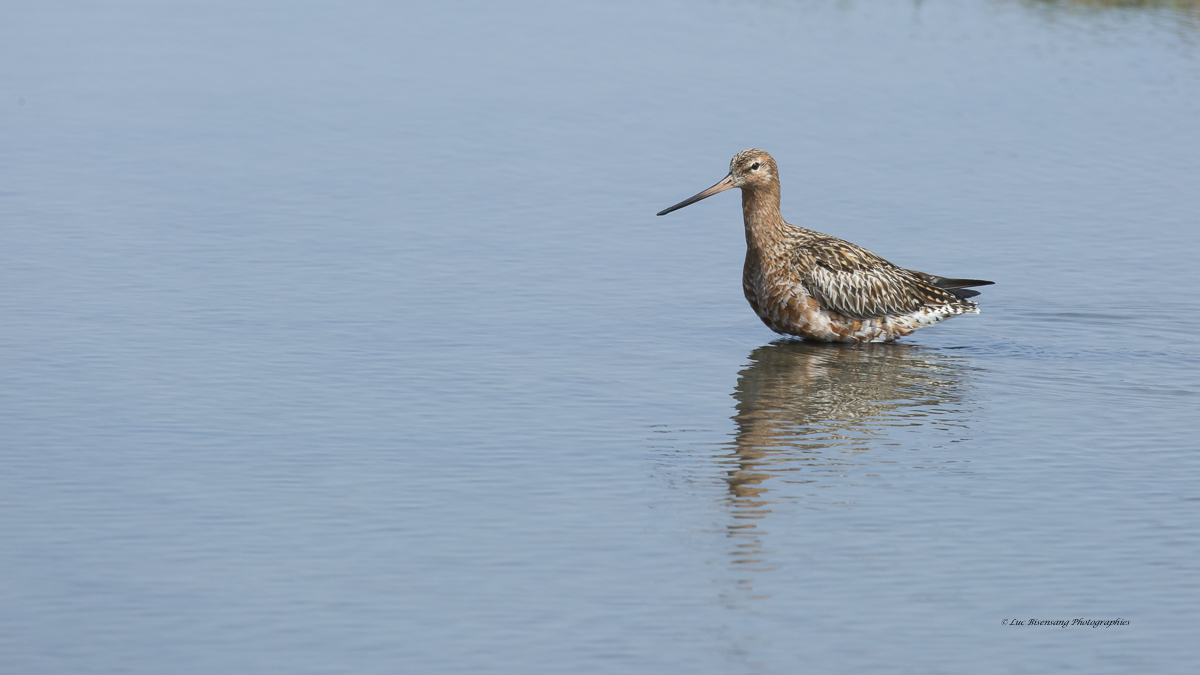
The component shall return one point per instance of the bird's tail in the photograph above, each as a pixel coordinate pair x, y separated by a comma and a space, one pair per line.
957, 287
951, 284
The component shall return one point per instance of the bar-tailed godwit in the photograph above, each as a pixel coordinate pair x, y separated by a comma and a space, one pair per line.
808, 284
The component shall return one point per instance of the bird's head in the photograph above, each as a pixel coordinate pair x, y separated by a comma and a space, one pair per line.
749, 169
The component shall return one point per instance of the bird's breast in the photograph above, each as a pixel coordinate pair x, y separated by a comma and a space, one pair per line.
778, 296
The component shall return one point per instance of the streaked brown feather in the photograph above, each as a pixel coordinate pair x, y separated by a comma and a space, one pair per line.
852, 281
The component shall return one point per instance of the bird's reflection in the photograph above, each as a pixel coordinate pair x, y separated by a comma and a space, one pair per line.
812, 416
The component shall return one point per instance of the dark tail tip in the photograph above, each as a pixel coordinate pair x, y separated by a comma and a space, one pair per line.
950, 284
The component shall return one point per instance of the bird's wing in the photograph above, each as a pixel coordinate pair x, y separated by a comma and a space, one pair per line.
856, 283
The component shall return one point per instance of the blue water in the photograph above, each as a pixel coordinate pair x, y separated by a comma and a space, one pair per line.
342, 338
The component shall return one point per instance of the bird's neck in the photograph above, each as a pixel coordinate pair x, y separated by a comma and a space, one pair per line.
764, 223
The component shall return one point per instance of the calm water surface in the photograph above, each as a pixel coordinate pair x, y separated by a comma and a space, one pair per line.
342, 338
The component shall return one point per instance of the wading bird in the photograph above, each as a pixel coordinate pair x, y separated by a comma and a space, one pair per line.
811, 285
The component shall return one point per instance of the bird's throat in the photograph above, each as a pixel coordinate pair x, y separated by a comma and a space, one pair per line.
760, 212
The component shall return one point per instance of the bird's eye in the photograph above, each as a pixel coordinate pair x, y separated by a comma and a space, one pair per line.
754, 166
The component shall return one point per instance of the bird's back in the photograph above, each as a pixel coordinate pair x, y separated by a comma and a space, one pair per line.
821, 287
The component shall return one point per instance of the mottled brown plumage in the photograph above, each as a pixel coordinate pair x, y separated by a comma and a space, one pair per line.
808, 284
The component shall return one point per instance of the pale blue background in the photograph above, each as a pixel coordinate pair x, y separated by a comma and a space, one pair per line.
342, 338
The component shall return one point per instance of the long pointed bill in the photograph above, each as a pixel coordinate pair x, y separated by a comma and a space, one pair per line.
725, 184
